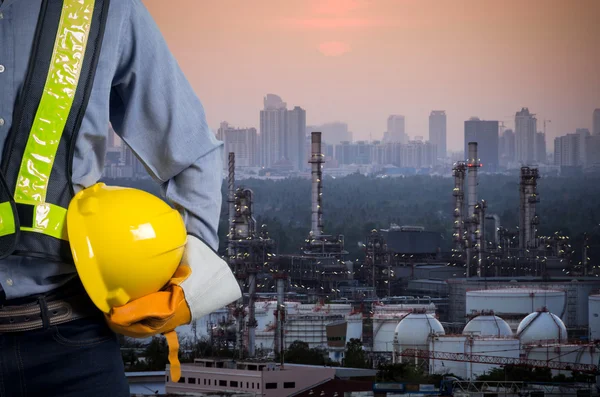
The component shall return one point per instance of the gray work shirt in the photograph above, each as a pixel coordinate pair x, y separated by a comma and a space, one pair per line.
139, 89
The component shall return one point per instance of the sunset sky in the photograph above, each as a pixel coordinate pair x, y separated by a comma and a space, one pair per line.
359, 61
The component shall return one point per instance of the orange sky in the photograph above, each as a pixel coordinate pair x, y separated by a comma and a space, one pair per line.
358, 61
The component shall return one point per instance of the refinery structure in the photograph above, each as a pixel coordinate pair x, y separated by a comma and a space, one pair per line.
498, 297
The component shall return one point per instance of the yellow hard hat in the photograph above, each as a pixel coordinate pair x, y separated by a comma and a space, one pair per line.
126, 243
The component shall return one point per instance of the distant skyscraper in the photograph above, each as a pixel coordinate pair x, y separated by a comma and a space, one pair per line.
569, 150
583, 134
525, 134
596, 124
273, 128
395, 130
242, 142
332, 133
540, 148
592, 151
485, 133
296, 138
282, 134
437, 131
507, 147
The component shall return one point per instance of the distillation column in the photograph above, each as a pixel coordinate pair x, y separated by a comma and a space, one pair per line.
459, 198
279, 345
251, 314
472, 165
480, 210
231, 201
316, 161
528, 220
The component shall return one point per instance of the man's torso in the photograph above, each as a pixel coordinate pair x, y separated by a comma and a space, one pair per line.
21, 276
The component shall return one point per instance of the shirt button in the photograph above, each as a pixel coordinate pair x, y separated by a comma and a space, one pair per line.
1, 15
1, 122
1, 68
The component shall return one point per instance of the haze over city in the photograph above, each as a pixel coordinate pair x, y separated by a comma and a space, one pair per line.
359, 61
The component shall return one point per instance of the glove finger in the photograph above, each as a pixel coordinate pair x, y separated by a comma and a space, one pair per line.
156, 305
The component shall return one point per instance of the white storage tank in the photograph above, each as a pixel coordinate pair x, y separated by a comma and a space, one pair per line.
594, 317
414, 330
541, 326
383, 332
516, 301
487, 324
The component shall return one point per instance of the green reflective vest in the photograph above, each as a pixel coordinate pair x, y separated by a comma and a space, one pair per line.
36, 168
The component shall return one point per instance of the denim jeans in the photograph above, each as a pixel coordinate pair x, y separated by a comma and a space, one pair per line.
80, 358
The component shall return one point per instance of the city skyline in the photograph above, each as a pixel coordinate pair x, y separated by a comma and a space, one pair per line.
359, 62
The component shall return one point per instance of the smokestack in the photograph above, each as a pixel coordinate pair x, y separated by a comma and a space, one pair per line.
527, 218
316, 161
459, 198
231, 199
251, 315
481, 237
473, 164
279, 333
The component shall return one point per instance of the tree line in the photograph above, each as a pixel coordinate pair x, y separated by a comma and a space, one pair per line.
356, 204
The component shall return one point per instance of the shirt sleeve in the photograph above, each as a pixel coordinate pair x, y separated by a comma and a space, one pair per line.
157, 114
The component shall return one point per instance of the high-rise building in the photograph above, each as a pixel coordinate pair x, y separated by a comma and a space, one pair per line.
507, 147
437, 131
332, 133
485, 133
540, 148
242, 142
525, 134
596, 122
569, 150
295, 150
583, 134
395, 130
273, 128
282, 134
592, 151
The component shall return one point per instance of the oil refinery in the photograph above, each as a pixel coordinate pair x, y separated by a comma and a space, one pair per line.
498, 297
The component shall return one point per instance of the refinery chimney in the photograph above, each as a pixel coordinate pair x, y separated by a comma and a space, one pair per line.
231, 199
473, 164
316, 161
528, 219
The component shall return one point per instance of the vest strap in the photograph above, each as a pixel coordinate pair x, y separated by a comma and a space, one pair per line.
35, 182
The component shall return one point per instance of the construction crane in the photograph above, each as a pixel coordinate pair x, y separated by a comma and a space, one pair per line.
475, 358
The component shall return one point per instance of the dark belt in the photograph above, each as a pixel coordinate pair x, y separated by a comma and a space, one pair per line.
45, 311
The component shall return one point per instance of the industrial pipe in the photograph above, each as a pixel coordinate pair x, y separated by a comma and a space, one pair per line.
316, 161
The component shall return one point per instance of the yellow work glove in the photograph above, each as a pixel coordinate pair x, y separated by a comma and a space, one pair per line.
202, 284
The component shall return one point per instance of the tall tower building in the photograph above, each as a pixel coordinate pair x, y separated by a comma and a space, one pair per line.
540, 148
596, 122
507, 147
242, 142
437, 131
395, 130
485, 133
273, 128
296, 137
525, 134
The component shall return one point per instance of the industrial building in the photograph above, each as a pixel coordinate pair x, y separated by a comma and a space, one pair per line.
498, 297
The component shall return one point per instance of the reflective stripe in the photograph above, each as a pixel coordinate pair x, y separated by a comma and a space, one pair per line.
7, 220
55, 106
49, 219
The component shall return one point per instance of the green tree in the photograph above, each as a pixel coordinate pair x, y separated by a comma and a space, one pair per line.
157, 354
300, 353
355, 356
